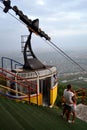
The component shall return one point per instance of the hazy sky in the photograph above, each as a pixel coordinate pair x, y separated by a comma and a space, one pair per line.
65, 21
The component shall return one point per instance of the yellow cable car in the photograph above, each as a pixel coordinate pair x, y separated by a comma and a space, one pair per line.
43, 84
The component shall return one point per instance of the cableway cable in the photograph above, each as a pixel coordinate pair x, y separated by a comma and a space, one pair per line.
67, 56
54, 46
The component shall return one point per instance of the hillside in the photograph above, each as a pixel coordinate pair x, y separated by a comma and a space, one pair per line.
19, 116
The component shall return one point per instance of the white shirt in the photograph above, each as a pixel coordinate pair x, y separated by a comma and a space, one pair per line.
68, 97
64, 93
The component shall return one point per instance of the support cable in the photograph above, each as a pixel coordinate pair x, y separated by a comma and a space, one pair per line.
67, 56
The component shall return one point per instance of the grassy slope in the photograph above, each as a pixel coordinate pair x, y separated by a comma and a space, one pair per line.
19, 116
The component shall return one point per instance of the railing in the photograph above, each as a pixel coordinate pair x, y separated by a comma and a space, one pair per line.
82, 95
9, 89
4, 75
13, 64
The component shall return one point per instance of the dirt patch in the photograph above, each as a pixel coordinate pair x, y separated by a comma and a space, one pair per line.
81, 112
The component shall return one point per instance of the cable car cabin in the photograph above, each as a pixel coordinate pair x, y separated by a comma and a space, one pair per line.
34, 82
38, 87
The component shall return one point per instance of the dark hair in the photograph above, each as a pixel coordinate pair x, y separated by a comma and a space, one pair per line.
12, 84
69, 86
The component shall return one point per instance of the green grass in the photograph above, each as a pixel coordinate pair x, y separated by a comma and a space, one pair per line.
19, 116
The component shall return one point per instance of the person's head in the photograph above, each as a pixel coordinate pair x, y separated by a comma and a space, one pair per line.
12, 84
69, 86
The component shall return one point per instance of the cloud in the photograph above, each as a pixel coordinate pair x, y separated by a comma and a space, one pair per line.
40, 2
59, 18
68, 32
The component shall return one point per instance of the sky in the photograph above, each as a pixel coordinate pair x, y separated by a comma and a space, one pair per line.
65, 21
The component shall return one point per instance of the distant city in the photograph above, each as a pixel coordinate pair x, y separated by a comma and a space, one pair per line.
67, 70
63, 64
